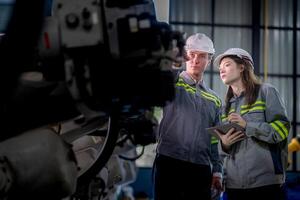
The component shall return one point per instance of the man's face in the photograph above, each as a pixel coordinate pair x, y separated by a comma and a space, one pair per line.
197, 62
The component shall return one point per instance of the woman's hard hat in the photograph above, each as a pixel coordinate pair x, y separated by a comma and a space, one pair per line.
241, 53
200, 42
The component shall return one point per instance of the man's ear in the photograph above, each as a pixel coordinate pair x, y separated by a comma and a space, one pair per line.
209, 61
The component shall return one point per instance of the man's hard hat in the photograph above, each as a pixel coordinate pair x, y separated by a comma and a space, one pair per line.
241, 53
200, 42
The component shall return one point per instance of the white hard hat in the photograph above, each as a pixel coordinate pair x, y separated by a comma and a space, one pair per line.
241, 53
200, 42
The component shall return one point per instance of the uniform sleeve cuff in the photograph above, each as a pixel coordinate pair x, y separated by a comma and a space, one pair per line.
250, 130
217, 174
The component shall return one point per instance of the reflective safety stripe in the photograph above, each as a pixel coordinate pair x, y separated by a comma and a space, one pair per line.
280, 128
214, 140
191, 90
187, 87
224, 118
231, 110
256, 106
252, 105
212, 98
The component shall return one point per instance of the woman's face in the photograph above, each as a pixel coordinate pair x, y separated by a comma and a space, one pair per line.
230, 71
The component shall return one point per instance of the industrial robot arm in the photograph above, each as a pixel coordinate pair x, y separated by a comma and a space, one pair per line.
75, 44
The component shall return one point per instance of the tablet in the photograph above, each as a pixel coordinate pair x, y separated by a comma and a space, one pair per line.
224, 128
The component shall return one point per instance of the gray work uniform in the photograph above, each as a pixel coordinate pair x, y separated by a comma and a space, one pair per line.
182, 132
261, 158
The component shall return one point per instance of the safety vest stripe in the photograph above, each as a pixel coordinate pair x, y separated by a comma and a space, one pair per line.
180, 82
283, 127
278, 130
208, 94
186, 87
214, 140
259, 105
223, 116
231, 110
255, 103
213, 96
212, 99
224, 119
257, 108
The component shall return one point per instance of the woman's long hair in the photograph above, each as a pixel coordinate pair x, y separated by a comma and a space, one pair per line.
250, 81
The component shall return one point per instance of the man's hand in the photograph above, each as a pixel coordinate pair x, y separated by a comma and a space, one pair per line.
230, 138
216, 185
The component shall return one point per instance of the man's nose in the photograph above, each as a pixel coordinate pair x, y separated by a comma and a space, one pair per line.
196, 59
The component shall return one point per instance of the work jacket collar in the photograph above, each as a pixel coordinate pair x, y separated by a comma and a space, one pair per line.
189, 80
235, 98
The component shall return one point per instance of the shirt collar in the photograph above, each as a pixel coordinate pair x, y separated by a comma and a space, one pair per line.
234, 98
189, 80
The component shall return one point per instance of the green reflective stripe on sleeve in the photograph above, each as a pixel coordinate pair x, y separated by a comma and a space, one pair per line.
260, 102
212, 98
258, 105
244, 111
256, 108
283, 127
278, 129
214, 140
252, 105
224, 118
231, 110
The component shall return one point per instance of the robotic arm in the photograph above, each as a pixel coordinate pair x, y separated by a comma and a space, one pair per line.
110, 99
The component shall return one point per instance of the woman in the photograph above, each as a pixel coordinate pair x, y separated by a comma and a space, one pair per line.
255, 159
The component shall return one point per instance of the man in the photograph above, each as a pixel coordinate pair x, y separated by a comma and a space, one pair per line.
187, 165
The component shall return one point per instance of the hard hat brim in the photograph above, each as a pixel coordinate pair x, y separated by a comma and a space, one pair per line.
199, 50
221, 56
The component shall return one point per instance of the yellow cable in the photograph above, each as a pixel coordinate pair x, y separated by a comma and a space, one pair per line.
266, 40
